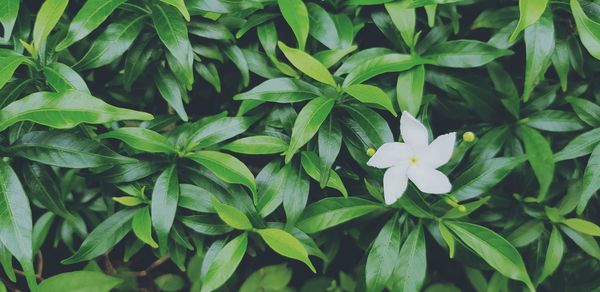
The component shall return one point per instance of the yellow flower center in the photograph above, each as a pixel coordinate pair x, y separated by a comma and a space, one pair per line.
413, 160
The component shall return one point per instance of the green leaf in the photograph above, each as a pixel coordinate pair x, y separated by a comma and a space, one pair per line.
141, 225
539, 155
555, 121
171, 91
8, 16
73, 281
141, 139
112, 43
180, 5
66, 150
411, 266
10, 63
529, 13
226, 167
47, 17
583, 226
587, 111
383, 256
448, 239
217, 131
329, 141
404, 19
97, 242
257, 145
539, 44
42, 184
173, 33
89, 17
231, 215
310, 163
15, 221
296, 15
483, 176
307, 64
281, 90
269, 278
494, 249
62, 78
295, 188
591, 180
330, 212
526, 233
554, 255
128, 201
169, 282
308, 122
581, 145
225, 263
586, 242
64, 110
409, 89
464, 54
335, 31
164, 204
588, 29
286, 245
195, 198
379, 65
371, 94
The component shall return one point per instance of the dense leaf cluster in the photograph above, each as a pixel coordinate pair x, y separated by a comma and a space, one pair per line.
205, 145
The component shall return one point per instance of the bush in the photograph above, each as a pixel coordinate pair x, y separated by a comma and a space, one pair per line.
230, 145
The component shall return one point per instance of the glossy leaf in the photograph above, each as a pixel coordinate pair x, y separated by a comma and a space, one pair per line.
141, 139
286, 245
164, 204
296, 15
307, 64
330, 212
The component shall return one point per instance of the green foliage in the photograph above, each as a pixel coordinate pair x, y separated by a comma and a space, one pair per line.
202, 145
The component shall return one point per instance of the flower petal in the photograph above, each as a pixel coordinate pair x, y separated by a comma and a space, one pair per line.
439, 151
390, 154
413, 132
429, 180
394, 183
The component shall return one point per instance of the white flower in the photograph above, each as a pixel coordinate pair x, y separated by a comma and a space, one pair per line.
415, 159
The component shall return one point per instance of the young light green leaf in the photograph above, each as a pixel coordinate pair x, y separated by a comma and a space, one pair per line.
231, 215
296, 15
331, 212
586, 242
448, 238
464, 54
371, 94
164, 204
93, 281
225, 263
494, 249
97, 242
591, 180
225, 167
142, 226
286, 245
529, 12
383, 256
308, 122
89, 17
47, 17
180, 5
307, 64
409, 89
540, 158
128, 201
15, 221
588, 29
141, 139
411, 266
64, 110
583, 226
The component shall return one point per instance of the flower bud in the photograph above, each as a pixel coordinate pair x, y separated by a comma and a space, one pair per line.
370, 151
469, 136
